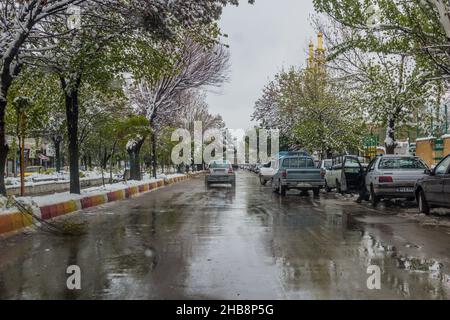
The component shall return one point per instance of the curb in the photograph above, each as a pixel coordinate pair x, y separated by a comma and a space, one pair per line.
15, 221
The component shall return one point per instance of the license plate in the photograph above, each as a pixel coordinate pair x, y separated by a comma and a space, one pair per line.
405, 189
303, 185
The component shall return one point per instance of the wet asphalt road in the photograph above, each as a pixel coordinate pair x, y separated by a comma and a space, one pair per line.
189, 242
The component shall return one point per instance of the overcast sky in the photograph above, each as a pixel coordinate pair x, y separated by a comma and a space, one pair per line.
263, 38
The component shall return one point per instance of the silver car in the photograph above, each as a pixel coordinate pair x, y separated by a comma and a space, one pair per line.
220, 171
393, 176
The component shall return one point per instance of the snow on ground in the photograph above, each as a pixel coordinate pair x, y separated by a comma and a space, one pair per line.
37, 179
425, 138
38, 201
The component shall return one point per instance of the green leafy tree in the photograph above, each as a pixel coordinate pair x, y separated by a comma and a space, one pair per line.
390, 89
419, 28
312, 110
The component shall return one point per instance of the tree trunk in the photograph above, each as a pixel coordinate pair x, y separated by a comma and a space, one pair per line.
135, 161
72, 110
10, 68
131, 155
3, 147
85, 161
57, 144
89, 162
154, 156
389, 142
111, 159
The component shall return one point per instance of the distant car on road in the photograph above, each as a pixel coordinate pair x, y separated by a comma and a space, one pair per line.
297, 172
220, 171
393, 176
433, 190
346, 174
266, 172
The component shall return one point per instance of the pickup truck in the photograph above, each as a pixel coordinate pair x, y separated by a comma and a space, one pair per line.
299, 173
346, 174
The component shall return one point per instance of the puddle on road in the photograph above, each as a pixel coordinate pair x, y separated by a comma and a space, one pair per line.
230, 243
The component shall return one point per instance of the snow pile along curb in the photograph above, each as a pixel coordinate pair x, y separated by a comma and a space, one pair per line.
14, 221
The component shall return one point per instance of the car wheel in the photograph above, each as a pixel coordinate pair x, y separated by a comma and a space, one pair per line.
423, 204
316, 192
338, 187
282, 190
373, 197
274, 187
327, 188
262, 181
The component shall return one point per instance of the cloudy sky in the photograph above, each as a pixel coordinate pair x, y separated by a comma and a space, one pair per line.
263, 38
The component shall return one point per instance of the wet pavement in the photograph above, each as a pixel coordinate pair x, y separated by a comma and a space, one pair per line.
187, 241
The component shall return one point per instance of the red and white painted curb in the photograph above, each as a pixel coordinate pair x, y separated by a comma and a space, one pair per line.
15, 221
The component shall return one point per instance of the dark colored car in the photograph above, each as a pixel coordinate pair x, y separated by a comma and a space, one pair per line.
220, 171
434, 189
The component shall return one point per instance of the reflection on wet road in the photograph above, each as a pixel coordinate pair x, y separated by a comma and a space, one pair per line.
187, 241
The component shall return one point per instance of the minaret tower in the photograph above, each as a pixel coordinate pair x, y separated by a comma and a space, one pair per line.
320, 53
310, 61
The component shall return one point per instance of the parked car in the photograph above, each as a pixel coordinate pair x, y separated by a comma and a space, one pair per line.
433, 190
393, 176
297, 172
326, 164
32, 170
220, 171
346, 174
266, 172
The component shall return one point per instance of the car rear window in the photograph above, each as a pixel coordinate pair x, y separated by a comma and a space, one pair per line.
401, 163
293, 163
220, 165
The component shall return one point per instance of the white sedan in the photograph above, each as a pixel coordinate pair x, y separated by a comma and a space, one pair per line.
266, 172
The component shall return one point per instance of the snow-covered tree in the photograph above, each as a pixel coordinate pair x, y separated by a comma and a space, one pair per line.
269, 111
193, 107
420, 28
20, 22
194, 66
310, 108
30, 29
390, 89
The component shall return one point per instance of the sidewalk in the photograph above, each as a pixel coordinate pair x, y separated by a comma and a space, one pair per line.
51, 206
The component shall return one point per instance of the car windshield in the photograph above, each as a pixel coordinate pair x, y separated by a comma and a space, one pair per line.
219, 165
327, 164
293, 163
352, 162
401, 163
